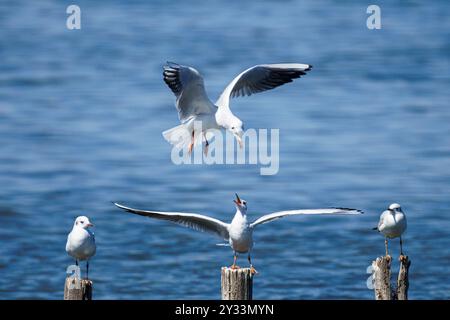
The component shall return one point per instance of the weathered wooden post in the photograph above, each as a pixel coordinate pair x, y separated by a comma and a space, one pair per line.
382, 279
237, 284
77, 289
403, 280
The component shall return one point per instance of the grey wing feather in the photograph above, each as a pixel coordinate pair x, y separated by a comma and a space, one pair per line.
381, 222
187, 85
261, 78
191, 220
281, 214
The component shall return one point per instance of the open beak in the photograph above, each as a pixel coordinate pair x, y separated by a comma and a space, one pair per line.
238, 200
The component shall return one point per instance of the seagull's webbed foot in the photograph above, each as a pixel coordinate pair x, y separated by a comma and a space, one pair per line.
402, 258
253, 270
191, 145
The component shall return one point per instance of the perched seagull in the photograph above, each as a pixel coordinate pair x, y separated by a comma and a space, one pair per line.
193, 103
81, 241
239, 233
392, 225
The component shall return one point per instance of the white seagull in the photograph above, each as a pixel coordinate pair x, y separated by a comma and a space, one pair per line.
392, 225
81, 241
238, 233
193, 104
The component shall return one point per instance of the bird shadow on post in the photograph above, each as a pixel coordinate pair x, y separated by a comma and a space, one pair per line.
381, 272
77, 289
236, 284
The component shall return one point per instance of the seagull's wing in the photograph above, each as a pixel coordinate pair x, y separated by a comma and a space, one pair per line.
190, 220
381, 222
187, 85
261, 78
281, 214
68, 243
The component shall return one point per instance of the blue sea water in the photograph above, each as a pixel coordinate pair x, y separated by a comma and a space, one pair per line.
81, 116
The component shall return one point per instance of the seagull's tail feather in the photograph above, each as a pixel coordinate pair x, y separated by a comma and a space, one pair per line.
178, 136
223, 244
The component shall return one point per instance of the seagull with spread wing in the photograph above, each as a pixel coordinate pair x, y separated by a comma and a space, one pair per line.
193, 104
238, 233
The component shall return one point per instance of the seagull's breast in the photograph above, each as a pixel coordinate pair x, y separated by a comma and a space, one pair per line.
241, 236
393, 225
81, 244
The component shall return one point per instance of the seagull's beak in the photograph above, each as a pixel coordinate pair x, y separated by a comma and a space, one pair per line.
238, 136
238, 200
90, 224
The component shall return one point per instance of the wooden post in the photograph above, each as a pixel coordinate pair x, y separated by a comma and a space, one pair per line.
382, 279
237, 284
403, 280
77, 289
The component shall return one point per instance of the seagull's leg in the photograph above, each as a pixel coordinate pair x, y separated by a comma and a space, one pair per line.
401, 246
402, 258
234, 266
76, 262
87, 269
252, 270
206, 144
191, 145
386, 245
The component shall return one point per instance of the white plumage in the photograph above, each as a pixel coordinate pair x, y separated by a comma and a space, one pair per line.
193, 103
81, 241
238, 233
392, 224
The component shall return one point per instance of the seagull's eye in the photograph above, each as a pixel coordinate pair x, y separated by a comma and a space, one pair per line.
82, 222
232, 128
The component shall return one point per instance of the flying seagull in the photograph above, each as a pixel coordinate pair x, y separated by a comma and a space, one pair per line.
193, 104
81, 241
239, 233
392, 225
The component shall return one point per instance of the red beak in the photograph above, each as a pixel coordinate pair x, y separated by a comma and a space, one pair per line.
238, 200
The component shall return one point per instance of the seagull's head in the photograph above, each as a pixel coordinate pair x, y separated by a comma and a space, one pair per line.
395, 207
241, 204
237, 129
83, 222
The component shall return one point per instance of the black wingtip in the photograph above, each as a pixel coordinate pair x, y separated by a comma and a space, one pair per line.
309, 67
171, 64
351, 209
376, 228
122, 207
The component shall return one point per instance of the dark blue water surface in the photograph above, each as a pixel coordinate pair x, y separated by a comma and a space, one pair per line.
81, 116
